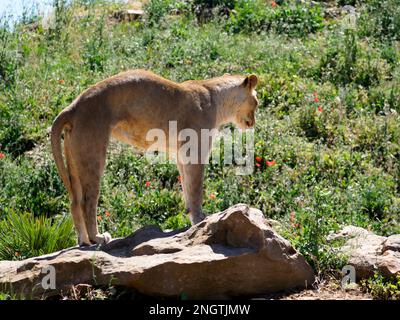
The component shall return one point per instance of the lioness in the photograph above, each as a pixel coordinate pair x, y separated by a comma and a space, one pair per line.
127, 106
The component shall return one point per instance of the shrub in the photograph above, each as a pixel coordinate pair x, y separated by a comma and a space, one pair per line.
62, 16
31, 185
94, 52
349, 62
290, 19
373, 196
158, 9
309, 228
380, 19
8, 55
14, 138
382, 288
214, 3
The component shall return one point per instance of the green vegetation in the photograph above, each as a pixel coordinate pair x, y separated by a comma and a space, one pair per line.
328, 122
33, 237
381, 288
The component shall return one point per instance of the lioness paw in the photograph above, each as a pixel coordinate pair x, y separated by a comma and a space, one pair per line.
195, 219
103, 238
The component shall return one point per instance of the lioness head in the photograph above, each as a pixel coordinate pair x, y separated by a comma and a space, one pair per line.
244, 117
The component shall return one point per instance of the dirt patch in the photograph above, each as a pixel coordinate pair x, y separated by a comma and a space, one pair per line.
326, 290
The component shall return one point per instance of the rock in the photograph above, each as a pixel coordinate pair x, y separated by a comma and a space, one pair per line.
369, 253
275, 224
332, 12
335, 12
230, 253
31, 27
392, 243
348, 9
127, 15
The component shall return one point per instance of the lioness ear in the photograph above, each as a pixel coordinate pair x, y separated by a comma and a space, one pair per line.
250, 81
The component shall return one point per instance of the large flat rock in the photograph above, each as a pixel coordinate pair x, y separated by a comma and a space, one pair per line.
231, 253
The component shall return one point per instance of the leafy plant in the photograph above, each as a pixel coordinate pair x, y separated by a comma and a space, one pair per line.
23, 236
382, 288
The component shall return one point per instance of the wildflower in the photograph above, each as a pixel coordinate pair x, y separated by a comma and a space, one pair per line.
258, 165
61, 81
180, 179
315, 94
293, 221
148, 184
108, 214
320, 109
316, 99
100, 218
2, 155
258, 159
212, 196
270, 163
273, 4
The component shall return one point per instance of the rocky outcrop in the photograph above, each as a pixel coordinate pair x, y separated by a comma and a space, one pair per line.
369, 253
231, 253
127, 15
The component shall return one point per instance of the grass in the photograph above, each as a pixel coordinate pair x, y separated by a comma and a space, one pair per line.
329, 117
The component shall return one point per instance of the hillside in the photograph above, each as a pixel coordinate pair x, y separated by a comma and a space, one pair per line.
327, 136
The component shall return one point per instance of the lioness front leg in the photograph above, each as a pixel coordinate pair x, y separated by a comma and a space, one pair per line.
193, 175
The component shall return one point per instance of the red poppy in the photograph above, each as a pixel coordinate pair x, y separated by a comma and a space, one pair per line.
258, 159
108, 214
270, 163
2, 155
273, 4
61, 81
180, 179
258, 165
316, 99
100, 218
320, 109
212, 196
148, 184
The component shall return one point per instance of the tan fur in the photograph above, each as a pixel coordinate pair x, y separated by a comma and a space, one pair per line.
127, 106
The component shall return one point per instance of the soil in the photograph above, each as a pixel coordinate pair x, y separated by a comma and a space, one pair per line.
326, 290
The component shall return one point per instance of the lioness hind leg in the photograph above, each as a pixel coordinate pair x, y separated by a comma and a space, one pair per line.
91, 191
76, 196
90, 161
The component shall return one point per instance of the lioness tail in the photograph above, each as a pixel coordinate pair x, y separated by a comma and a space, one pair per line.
56, 129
